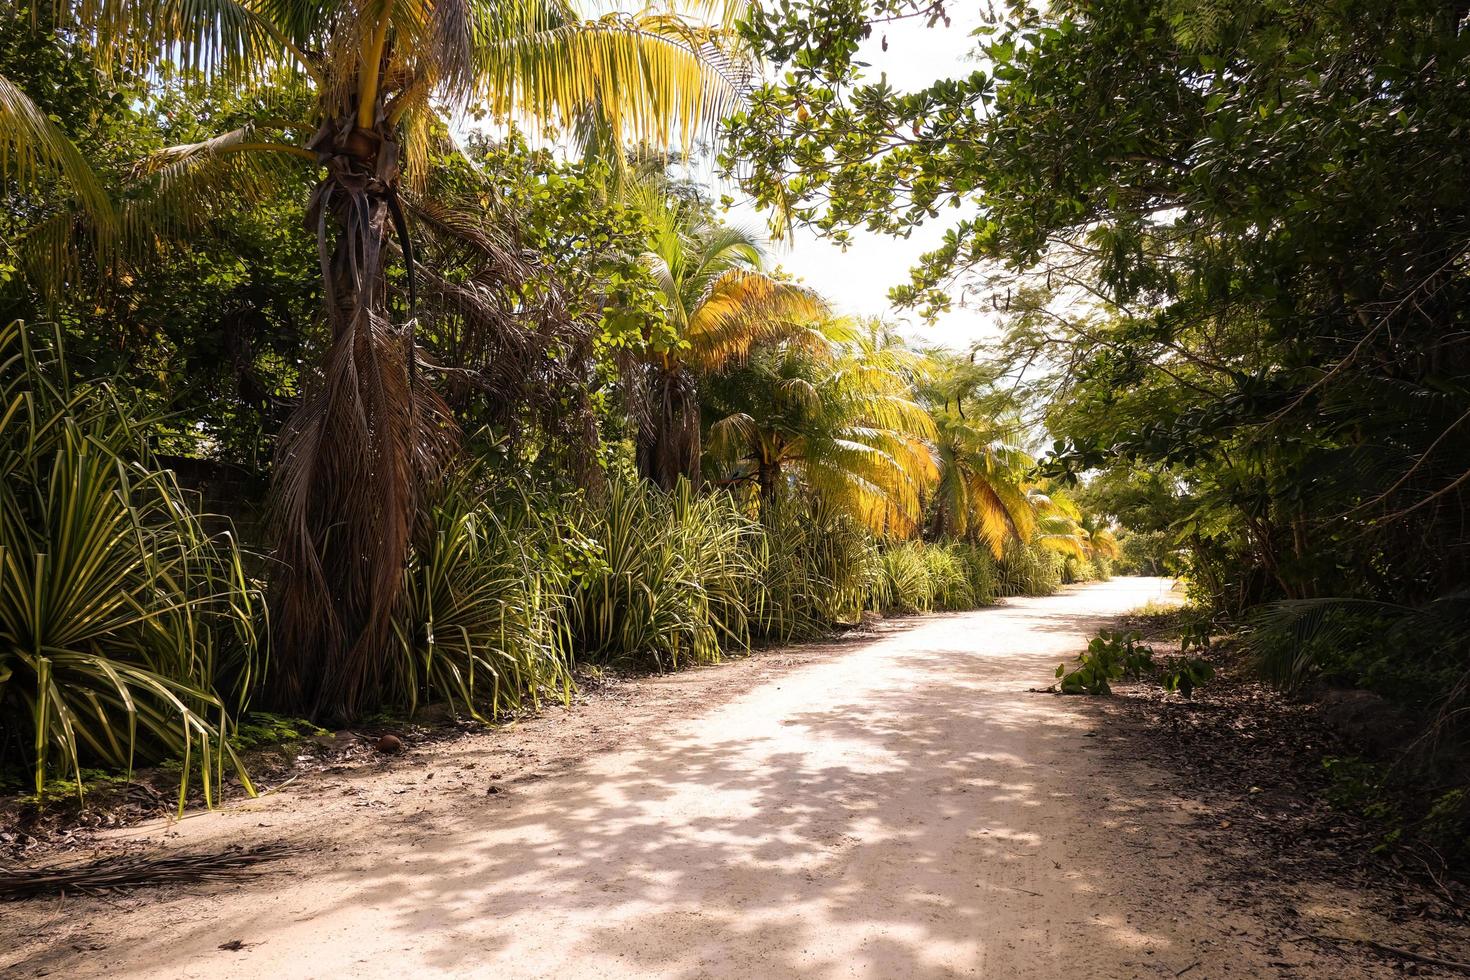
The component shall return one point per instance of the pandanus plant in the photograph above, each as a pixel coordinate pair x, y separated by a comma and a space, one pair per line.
381, 78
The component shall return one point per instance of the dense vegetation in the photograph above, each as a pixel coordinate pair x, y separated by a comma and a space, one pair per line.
1229, 242
310, 407
363, 355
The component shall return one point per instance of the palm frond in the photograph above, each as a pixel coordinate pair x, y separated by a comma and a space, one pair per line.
33, 147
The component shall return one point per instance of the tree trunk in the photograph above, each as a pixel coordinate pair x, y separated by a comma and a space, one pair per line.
350, 462
768, 478
669, 438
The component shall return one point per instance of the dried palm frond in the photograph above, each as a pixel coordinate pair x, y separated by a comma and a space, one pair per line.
124, 872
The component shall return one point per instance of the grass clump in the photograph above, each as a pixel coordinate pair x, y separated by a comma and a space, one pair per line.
679, 579
480, 626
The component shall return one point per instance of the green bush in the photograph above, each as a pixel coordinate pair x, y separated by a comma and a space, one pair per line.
904, 583
1076, 570
818, 568
919, 577
949, 581
980, 571
1108, 657
126, 630
679, 581
1357, 643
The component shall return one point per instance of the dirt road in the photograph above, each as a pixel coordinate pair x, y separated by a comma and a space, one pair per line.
900, 807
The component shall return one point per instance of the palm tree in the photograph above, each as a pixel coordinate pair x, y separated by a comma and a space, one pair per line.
718, 305
832, 412
369, 434
1099, 539
1064, 528
981, 493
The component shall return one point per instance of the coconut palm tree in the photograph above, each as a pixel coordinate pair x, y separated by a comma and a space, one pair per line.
981, 494
1099, 539
1063, 527
378, 76
832, 413
718, 304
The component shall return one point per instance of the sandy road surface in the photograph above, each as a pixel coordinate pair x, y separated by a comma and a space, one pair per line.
900, 807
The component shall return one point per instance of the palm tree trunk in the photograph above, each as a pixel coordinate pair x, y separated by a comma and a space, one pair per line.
669, 440
352, 459
768, 478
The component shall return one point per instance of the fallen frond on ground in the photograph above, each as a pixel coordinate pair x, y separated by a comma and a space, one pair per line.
127, 871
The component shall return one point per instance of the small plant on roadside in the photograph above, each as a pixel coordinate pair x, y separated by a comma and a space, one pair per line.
1189, 670
1181, 675
1109, 656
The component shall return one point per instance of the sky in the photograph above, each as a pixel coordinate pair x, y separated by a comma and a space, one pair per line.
857, 280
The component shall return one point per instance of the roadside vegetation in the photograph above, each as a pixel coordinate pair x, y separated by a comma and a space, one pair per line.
362, 357
315, 409
1228, 247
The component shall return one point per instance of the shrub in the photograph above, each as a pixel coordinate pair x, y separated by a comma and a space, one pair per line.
1025, 569
949, 582
979, 568
1075, 570
917, 577
1359, 643
904, 583
126, 630
1108, 657
480, 626
818, 567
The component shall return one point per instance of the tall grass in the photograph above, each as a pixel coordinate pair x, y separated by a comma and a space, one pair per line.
904, 584
126, 630
919, 577
1085, 568
818, 567
980, 571
480, 626
1026, 569
679, 581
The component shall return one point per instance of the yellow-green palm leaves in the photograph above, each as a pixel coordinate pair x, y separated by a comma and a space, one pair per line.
719, 305
1063, 527
32, 148
836, 418
981, 494
718, 299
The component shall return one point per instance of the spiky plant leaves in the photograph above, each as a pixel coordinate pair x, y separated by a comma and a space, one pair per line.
680, 576
480, 625
820, 565
120, 617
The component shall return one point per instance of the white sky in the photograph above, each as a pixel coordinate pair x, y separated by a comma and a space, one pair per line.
857, 280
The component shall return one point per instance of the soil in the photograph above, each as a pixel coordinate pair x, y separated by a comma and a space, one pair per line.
896, 804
